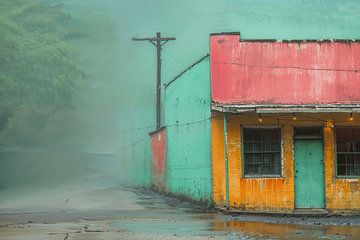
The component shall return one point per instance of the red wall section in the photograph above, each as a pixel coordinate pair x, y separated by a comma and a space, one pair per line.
265, 72
158, 159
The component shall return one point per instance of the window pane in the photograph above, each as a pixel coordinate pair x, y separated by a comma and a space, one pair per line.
258, 146
348, 151
262, 154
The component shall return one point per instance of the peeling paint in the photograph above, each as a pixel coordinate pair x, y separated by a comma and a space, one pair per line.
158, 159
313, 72
277, 194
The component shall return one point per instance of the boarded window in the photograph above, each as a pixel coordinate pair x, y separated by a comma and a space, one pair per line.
262, 151
348, 151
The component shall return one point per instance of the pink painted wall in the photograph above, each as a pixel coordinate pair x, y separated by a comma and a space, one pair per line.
158, 159
265, 72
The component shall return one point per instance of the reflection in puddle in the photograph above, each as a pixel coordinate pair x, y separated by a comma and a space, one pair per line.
260, 230
218, 226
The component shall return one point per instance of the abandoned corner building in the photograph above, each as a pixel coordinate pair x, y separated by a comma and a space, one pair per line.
263, 126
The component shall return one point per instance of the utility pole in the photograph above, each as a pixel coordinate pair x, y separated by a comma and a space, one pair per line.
158, 42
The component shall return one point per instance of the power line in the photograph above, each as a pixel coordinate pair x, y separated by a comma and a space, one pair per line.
136, 129
134, 143
188, 123
170, 125
280, 118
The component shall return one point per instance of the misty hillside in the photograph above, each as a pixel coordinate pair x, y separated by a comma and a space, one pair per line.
36, 69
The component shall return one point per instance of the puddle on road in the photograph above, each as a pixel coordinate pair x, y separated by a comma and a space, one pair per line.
159, 218
234, 229
260, 230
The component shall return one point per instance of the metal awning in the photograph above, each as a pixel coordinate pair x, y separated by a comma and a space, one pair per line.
277, 108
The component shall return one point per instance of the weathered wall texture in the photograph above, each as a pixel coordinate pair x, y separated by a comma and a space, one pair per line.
342, 194
251, 194
218, 160
158, 159
187, 117
277, 194
269, 72
271, 194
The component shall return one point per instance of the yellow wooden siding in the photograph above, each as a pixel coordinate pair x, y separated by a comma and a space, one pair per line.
277, 194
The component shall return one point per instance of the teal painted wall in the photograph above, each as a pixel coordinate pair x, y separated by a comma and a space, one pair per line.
187, 118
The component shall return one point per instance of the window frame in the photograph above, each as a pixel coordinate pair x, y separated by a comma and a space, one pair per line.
243, 175
337, 176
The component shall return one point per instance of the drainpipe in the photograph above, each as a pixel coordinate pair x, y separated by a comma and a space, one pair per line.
226, 162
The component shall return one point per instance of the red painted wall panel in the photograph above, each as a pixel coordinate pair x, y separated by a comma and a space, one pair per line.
158, 159
265, 72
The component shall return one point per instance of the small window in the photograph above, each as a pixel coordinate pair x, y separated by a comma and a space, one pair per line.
262, 152
348, 152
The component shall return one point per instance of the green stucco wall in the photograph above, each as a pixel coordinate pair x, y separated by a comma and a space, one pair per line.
187, 118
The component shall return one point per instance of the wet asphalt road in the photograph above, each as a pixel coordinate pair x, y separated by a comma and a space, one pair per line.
123, 213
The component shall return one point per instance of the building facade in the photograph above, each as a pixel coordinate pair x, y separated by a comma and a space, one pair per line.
285, 124
264, 126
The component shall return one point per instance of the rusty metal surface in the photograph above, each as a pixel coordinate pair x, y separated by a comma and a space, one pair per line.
296, 72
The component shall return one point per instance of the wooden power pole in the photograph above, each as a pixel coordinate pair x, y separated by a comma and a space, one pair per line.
158, 42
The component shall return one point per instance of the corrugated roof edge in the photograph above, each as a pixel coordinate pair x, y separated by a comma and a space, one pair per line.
286, 40
301, 40
224, 33
187, 69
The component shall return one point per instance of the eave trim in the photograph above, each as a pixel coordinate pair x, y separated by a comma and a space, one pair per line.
268, 108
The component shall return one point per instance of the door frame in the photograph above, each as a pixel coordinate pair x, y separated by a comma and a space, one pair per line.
323, 168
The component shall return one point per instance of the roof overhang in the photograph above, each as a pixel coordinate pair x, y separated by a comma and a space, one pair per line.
277, 108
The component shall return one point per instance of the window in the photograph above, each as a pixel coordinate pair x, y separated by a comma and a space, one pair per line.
262, 151
348, 151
